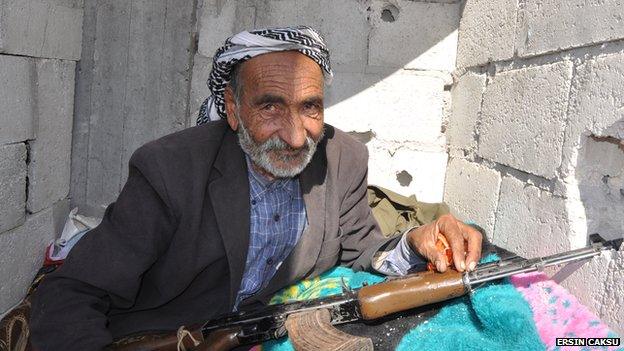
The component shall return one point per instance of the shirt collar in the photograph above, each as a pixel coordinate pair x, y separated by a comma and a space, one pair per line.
266, 184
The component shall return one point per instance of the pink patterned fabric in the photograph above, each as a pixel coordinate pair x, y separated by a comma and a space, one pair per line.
557, 313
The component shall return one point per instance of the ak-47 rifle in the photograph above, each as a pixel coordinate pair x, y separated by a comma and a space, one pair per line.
367, 303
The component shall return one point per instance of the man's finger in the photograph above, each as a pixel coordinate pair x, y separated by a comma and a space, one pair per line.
427, 247
474, 241
440, 262
450, 229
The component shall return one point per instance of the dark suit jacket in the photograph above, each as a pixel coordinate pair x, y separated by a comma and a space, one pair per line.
171, 250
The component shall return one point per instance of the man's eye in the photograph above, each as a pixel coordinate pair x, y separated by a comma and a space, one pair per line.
311, 108
269, 107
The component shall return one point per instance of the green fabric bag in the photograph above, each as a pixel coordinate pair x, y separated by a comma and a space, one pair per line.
396, 213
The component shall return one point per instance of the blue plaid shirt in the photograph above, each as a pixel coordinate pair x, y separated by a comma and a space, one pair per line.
277, 220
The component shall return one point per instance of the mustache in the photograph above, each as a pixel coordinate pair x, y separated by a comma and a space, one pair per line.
275, 143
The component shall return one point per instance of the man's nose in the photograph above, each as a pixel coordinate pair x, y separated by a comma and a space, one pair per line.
293, 132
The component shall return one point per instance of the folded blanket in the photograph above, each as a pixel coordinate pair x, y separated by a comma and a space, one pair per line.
523, 312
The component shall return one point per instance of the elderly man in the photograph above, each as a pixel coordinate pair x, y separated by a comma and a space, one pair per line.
220, 216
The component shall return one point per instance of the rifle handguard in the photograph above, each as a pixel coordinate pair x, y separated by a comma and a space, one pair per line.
409, 292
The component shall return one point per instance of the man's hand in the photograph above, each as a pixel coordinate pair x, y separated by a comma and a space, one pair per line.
465, 242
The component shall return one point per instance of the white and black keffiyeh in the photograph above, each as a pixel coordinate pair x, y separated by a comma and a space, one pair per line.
248, 44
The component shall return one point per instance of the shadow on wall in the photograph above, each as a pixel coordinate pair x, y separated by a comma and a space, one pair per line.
369, 40
392, 62
420, 37
141, 77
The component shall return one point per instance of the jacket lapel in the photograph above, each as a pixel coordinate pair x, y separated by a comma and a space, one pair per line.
229, 195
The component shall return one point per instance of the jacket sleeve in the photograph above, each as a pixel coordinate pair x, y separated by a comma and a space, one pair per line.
361, 236
104, 269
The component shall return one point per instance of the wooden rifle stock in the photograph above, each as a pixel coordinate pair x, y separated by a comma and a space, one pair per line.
409, 292
220, 340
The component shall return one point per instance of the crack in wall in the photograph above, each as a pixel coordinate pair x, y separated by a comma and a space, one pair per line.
27, 188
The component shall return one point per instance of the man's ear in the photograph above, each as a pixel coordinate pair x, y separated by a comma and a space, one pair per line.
230, 108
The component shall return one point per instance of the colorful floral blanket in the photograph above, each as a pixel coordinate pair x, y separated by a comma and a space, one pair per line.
523, 312
557, 313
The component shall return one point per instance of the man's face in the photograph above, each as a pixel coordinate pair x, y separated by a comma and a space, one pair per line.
279, 115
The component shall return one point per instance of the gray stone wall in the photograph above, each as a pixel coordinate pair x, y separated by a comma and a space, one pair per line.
144, 66
132, 86
393, 62
536, 134
40, 42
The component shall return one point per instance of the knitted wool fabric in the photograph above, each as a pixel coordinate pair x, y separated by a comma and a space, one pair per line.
494, 317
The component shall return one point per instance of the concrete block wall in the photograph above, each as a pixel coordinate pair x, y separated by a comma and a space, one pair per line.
392, 62
536, 133
40, 42
132, 86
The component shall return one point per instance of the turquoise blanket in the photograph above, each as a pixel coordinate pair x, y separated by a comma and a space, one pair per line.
494, 317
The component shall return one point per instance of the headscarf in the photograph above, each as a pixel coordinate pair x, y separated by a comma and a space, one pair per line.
248, 44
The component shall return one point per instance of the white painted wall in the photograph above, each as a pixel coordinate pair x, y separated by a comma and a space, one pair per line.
535, 137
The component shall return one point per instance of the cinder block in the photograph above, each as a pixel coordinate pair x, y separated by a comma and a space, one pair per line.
422, 173
523, 118
486, 32
342, 24
199, 88
598, 93
16, 99
68, 3
596, 101
529, 221
466, 107
556, 25
50, 157
42, 28
471, 191
12, 186
414, 35
599, 285
22, 255
595, 168
403, 107
344, 100
599, 175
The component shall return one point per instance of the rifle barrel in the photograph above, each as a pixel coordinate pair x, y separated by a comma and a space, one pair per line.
515, 265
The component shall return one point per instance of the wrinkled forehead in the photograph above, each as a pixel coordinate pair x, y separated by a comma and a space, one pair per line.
287, 68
